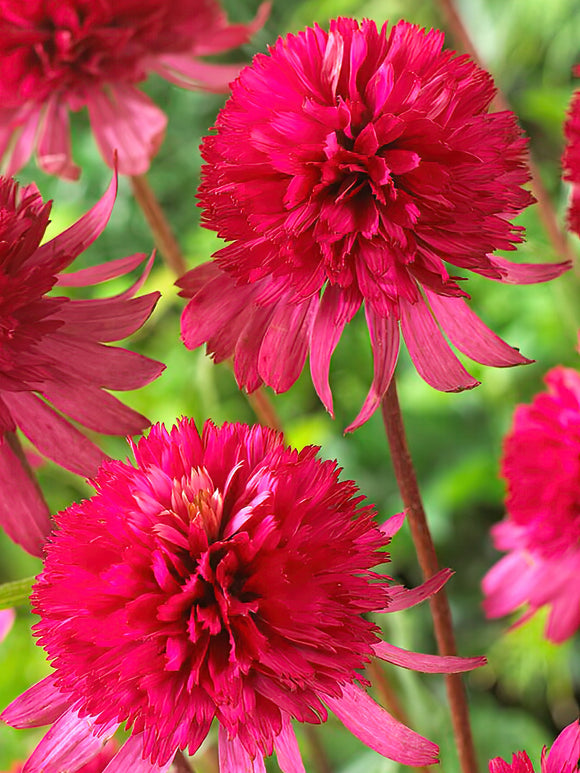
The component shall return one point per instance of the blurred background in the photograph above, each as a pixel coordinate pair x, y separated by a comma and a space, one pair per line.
530, 689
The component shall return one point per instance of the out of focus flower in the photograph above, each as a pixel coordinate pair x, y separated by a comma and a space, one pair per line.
6, 622
58, 56
564, 756
97, 765
52, 352
224, 577
348, 169
571, 158
541, 464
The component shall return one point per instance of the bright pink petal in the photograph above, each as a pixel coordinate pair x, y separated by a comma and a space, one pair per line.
41, 704
233, 756
392, 525
403, 598
384, 333
427, 664
521, 763
287, 751
24, 514
336, 308
54, 436
564, 755
376, 728
129, 758
431, 355
125, 121
470, 335
506, 585
106, 319
101, 273
54, 151
7, 617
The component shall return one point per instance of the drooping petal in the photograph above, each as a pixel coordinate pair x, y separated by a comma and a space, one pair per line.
527, 273
101, 273
430, 353
129, 759
427, 664
376, 728
107, 319
54, 151
403, 598
41, 704
287, 751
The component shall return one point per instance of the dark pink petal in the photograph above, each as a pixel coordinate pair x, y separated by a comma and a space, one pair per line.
24, 515
41, 704
527, 273
129, 759
337, 307
430, 353
101, 273
470, 335
54, 436
376, 728
107, 319
428, 664
54, 146
564, 754
287, 751
125, 121
384, 333
404, 598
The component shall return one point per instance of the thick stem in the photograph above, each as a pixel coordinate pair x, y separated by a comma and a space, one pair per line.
408, 486
181, 764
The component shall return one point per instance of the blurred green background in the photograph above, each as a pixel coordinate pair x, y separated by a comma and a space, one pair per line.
527, 692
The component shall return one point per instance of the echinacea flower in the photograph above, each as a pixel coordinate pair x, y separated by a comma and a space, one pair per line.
571, 158
53, 353
58, 56
224, 577
347, 169
541, 465
563, 757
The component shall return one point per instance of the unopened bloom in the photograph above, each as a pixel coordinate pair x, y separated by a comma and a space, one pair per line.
58, 56
347, 169
563, 757
53, 359
571, 158
541, 465
224, 577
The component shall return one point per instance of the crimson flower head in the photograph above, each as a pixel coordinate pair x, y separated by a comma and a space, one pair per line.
571, 158
349, 168
53, 352
224, 577
58, 56
541, 464
564, 756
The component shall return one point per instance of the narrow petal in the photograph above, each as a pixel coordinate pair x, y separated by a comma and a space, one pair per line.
233, 756
378, 730
24, 145
470, 335
430, 352
384, 333
54, 436
507, 584
130, 758
127, 122
427, 664
526, 273
41, 704
54, 151
287, 751
101, 273
392, 525
403, 598
337, 307
107, 319
24, 515
190, 73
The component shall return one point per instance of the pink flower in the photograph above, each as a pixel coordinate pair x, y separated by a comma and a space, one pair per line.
571, 158
51, 352
58, 56
346, 168
226, 576
564, 756
541, 465
6, 621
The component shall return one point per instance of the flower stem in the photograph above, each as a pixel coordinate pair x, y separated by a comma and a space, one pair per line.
264, 409
181, 764
408, 486
319, 758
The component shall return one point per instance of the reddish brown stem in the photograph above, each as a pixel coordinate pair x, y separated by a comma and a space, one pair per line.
181, 764
264, 409
546, 209
408, 486
319, 756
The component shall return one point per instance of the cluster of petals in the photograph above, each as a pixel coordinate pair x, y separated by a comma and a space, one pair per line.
348, 169
58, 56
564, 756
541, 465
54, 358
224, 577
571, 158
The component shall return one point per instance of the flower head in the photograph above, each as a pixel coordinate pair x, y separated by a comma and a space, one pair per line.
58, 56
53, 352
541, 464
564, 756
571, 158
224, 577
348, 168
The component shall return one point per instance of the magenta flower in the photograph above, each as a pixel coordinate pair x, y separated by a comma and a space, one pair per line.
226, 576
347, 168
564, 756
571, 158
541, 465
52, 352
59, 56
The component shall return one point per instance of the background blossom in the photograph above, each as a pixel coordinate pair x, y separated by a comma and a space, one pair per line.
563, 757
571, 158
350, 168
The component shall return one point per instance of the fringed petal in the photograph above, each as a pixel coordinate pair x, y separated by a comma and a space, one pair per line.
430, 352
378, 730
41, 704
427, 664
54, 152
287, 751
